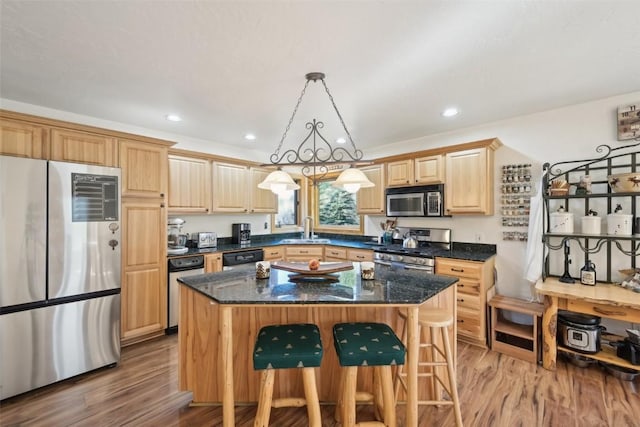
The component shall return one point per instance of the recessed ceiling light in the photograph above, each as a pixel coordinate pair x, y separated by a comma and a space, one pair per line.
340, 140
450, 112
250, 137
173, 118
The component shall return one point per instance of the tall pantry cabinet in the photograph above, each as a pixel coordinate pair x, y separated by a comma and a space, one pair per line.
144, 218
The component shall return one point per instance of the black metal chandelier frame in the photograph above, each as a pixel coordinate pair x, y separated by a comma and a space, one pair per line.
315, 154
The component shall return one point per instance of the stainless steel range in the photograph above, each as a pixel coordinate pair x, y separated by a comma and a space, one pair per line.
431, 242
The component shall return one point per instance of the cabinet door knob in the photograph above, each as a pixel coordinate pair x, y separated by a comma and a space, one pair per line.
161, 194
162, 205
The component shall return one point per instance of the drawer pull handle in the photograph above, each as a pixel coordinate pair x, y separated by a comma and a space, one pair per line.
457, 270
461, 286
304, 252
360, 256
460, 320
609, 313
460, 299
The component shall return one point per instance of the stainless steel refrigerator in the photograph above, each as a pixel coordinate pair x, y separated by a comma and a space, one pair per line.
59, 271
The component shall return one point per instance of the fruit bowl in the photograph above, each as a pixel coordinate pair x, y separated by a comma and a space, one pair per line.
624, 182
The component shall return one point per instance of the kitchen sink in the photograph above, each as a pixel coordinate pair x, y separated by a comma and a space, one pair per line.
305, 241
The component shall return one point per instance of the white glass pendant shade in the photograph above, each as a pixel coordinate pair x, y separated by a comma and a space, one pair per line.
278, 182
352, 180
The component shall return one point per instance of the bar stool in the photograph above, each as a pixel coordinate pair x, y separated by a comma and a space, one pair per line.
437, 321
286, 347
367, 344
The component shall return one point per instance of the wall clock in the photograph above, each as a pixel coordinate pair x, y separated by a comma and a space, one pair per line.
628, 122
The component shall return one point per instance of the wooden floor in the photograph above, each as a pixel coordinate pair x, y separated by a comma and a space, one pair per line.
495, 390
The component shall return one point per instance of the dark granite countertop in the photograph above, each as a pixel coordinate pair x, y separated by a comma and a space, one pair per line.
465, 251
390, 286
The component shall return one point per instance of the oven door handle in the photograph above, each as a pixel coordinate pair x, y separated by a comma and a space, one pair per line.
419, 267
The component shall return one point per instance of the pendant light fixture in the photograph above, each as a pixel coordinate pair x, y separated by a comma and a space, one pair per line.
314, 155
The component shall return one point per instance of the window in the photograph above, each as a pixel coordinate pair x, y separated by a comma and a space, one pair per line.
288, 209
335, 209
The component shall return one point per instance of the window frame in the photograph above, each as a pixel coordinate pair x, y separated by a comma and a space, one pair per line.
312, 201
299, 210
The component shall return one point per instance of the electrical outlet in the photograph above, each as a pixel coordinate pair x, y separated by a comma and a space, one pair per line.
266, 225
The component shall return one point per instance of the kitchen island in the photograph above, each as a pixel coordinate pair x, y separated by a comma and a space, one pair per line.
220, 314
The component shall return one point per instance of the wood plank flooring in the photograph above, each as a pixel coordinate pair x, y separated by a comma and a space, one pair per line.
495, 390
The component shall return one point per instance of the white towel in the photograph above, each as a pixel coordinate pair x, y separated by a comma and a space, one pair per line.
535, 250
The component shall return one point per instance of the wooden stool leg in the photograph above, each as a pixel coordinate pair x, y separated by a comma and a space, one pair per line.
349, 396
452, 376
434, 358
400, 368
266, 394
311, 396
340, 400
388, 396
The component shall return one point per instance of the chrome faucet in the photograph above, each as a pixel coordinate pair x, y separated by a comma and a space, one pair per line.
308, 227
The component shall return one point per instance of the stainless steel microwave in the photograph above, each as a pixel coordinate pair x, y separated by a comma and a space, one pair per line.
425, 200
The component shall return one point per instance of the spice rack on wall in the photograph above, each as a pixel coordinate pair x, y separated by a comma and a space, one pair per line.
515, 200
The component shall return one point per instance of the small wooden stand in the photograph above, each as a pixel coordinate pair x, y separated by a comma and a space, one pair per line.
514, 339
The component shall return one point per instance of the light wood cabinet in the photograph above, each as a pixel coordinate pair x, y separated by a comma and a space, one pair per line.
213, 262
229, 187
235, 189
416, 171
400, 173
429, 169
303, 252
274, 253
22, 140
144, 169
476, 278
189, 185
371, 200
82, 147
335, 253
359, 254
264, 201
144, 277
469, 182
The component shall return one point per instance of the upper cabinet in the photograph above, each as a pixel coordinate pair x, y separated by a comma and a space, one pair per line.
429, 169
371, 200
144, 169
229, 187
82, 147
22, 139
261, 200
416, 171
400, 173
230, 192
189, 184
469, 181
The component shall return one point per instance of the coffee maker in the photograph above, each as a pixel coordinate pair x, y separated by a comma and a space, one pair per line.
241, 233
175, 240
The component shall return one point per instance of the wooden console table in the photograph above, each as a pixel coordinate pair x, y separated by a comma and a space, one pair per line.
605, 300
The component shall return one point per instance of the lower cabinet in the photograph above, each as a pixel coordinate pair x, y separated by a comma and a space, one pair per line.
144, 270
359, 254
335, 254
303, 252
213, 262
476, 278
274, 253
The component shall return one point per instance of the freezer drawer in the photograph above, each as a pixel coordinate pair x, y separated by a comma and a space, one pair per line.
49, 344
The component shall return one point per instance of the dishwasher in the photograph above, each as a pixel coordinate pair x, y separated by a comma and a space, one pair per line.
179, 267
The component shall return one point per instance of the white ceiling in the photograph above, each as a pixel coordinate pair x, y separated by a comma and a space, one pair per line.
232, 67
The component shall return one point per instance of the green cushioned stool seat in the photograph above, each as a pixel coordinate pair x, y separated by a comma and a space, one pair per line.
288, 346
367, 344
